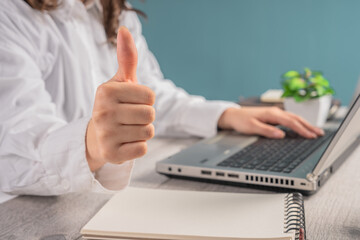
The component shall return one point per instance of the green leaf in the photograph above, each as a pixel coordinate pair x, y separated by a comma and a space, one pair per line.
296, 83
287, 94
291, 74
319, 80
329, 91
321, 91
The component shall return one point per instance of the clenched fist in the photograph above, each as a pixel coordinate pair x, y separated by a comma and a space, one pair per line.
122, 113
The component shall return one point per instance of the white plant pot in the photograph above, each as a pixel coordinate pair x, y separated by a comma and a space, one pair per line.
314, 111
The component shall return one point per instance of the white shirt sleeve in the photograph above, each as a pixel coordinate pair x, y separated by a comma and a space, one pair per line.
40, 153
177, 113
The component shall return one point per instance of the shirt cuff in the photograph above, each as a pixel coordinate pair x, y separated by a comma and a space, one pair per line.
201, 117
65, 152
113, 177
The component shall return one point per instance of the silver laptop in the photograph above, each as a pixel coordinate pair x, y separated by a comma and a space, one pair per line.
293, 162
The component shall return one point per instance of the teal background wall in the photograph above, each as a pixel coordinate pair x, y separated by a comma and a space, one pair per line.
224, 49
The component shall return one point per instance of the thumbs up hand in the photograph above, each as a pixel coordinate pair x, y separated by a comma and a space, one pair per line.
122, 112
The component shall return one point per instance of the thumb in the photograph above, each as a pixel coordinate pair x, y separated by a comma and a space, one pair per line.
126, 56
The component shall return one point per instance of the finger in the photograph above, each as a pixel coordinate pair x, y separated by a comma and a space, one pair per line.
129, 151
294, 124
121, 153
306, 124
134, 114
124, 114
266, 130
125, 93
121, 134
126, 56
278, 116
134, 133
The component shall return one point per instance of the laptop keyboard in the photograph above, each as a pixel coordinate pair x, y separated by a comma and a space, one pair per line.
276, 155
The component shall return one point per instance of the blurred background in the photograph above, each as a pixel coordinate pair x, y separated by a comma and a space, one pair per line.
230, 48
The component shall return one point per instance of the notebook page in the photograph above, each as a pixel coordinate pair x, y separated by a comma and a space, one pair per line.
164, 214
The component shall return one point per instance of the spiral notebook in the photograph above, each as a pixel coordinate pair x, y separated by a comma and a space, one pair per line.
137, 213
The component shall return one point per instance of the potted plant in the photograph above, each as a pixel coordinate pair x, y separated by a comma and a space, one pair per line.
308, 94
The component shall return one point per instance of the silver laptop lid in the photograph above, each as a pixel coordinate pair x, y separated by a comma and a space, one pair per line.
347, 133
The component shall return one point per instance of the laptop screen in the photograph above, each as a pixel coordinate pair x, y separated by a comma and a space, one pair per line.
347, 133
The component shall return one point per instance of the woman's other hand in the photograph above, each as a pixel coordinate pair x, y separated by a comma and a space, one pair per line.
260, 121
123, 114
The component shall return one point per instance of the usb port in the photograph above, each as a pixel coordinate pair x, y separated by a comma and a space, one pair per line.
232, 175
221, 174
303, 184
204, 172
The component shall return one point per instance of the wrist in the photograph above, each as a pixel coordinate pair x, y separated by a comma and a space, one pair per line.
225, 120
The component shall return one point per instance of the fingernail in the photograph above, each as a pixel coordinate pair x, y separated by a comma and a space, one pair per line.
278, 134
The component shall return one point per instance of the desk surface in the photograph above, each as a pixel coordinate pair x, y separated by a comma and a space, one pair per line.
331, 213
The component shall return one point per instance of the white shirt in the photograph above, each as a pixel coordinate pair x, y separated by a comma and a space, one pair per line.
51, 64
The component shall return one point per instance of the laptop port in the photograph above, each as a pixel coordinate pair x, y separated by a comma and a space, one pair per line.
179, 170
204, 172
170, 169
220, 174
232, 175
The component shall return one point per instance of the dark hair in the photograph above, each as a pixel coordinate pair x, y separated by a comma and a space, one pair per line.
111, 12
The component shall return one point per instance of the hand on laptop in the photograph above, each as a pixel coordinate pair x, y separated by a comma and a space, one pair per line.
260, 121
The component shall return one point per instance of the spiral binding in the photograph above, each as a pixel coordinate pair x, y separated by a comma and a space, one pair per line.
294, 219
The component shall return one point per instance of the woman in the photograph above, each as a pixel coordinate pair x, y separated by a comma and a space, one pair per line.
67, 123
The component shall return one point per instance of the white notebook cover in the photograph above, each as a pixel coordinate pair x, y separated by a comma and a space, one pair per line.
137, 213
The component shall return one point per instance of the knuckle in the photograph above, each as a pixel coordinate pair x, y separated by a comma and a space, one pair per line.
140, 149
149, 131
149, 114
253, 123
149, 96
103, 90
275, 110
103, 135
97, 118
100, 116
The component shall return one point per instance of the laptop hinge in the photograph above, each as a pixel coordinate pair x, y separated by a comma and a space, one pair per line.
311, 177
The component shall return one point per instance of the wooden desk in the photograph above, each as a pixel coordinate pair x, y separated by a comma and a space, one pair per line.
331, 213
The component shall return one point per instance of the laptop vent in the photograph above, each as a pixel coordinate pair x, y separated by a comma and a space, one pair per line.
278, 181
